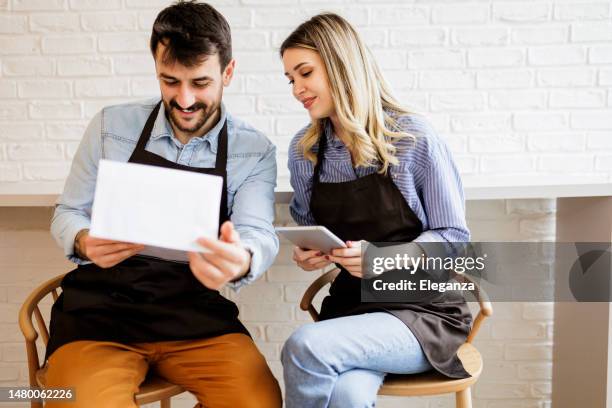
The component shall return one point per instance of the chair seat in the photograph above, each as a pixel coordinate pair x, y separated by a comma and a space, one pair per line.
156, 389
432, 382
151, 390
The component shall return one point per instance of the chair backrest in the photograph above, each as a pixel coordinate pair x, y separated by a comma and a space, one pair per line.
486, 309
26, 323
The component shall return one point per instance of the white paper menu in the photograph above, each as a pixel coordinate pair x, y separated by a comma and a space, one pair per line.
165, 209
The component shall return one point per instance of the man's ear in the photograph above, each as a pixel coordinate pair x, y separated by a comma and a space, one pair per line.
228, 72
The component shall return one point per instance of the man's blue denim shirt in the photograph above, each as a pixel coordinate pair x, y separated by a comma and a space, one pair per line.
251, 174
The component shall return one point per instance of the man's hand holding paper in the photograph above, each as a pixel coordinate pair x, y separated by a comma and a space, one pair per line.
225, 261
104, 252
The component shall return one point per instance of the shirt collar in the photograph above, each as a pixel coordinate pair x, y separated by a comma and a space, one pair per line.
162, 128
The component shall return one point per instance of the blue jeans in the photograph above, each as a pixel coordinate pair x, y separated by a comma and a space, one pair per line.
342, 362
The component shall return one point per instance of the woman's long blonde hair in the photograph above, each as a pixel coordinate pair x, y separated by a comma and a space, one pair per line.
363, 102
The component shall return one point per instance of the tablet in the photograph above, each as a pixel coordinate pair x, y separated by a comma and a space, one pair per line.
312, 237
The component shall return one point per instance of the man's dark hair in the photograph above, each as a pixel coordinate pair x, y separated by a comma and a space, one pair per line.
191, 32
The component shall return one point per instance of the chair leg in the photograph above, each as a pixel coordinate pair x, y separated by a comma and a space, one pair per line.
165, 403
463, 398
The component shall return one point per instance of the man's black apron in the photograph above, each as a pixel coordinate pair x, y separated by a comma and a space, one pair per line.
372, 208
144, 299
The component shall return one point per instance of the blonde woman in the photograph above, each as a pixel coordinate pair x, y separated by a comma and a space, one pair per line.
368, 170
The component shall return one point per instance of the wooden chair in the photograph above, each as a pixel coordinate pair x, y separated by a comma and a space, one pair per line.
431, 382
152, 390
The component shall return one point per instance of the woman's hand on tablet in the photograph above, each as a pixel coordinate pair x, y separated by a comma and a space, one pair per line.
309, 260
349, 258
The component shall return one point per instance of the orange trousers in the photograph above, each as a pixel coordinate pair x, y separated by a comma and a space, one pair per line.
224, 371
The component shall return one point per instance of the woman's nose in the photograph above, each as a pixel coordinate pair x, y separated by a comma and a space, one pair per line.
298, 89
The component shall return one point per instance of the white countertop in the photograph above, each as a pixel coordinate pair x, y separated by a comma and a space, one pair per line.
47, 196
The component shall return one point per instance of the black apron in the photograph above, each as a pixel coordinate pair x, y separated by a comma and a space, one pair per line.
144, 299
372, 208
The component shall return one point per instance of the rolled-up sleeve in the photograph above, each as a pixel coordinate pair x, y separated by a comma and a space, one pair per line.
73, 207
253, 216
443, 199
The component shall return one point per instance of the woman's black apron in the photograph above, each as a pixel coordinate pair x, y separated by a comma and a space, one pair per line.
372, 208
144, 299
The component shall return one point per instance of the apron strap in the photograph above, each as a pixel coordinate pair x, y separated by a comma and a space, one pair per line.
221, 160
146, 130
320, 157
221, 169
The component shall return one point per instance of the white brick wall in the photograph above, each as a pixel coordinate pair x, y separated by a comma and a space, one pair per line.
507, 71
520, 90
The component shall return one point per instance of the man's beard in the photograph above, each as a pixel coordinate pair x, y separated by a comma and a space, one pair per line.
202, 115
